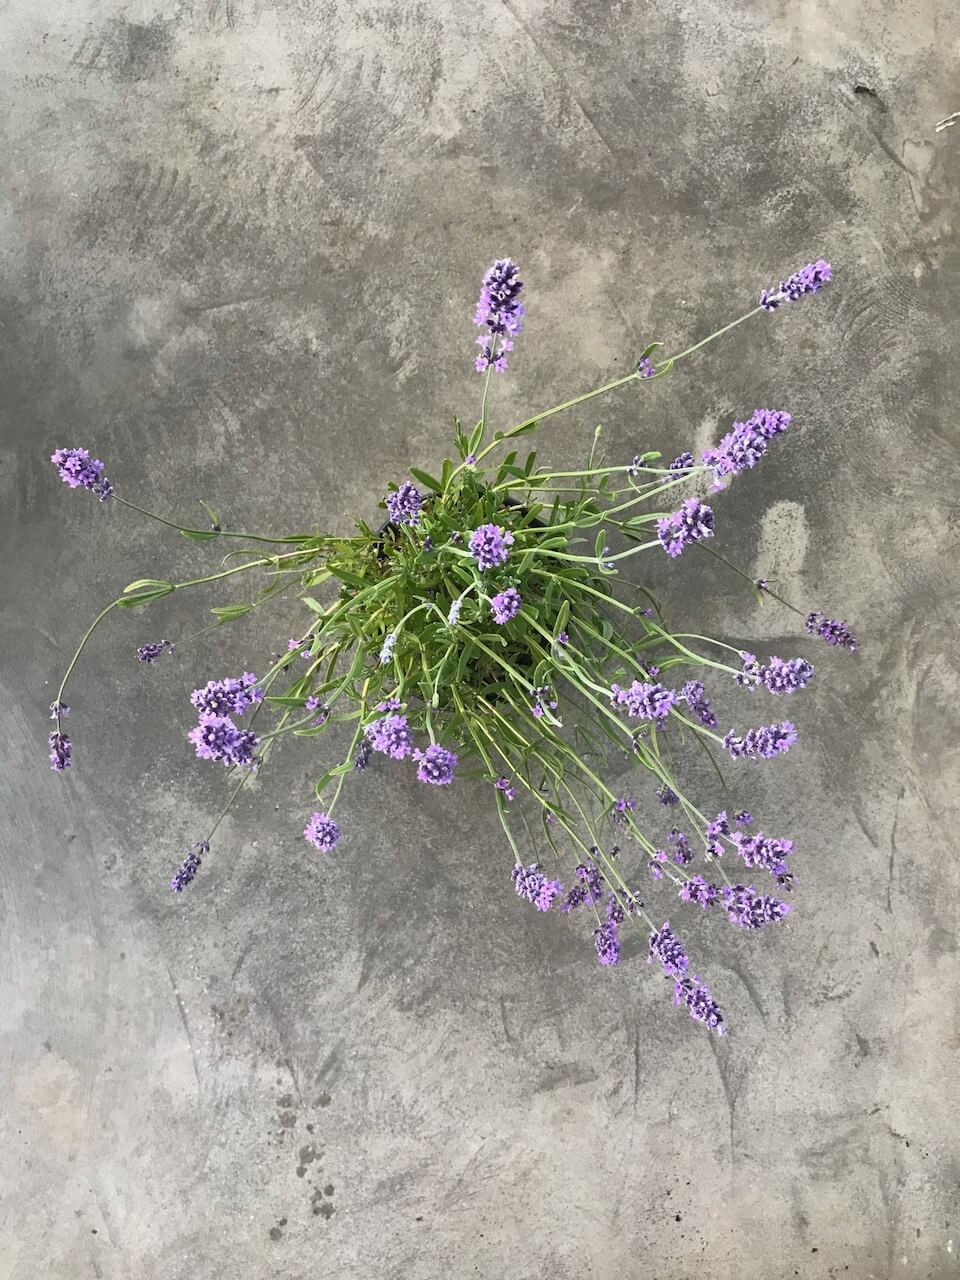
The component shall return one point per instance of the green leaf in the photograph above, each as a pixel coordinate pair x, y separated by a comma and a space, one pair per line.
198, 535
648, 351
214, 518
425, 478
446, 471
476, 435
562, 617
530, 463
144, 597
148, 582
229, 612
284, 701
315, 605
600, 543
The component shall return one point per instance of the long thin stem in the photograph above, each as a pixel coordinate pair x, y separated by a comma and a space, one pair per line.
208, 533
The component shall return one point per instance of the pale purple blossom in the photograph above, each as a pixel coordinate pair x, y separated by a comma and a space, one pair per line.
437, 765
403, 506
763, 743
692, 523
322, 832
809, 279
489, 545
391, 735
505, 605
500, 312
644, 700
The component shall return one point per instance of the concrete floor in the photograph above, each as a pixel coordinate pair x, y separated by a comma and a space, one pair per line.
239, 247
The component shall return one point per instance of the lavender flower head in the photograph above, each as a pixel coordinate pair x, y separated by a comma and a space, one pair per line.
59, 710
61, 751
386, 653
832, 630
667, 948
391, 735
698, 890
681, 464
750, 910
151, 652
231, 696
607, 942
489, 544
500, 312
361, 757
436, 765
79, 470
644, 700
692, 993
745, 444
532, 884
809, 279
692, 523
784, 676
666, 795
506, 605
218, 738
763, 743
768, 852
696, 699
187, 871
645, 367
403, 506
322, 832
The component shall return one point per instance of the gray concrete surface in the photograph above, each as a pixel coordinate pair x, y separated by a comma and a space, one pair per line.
239, 247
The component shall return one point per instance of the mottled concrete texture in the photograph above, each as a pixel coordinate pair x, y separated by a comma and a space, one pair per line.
239, 246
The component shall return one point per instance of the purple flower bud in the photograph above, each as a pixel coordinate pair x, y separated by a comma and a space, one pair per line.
667, 948
763, 743
489, 545
500, 312
322, 832
436, 765
391, 735
61, 752
832, 630
186, 872
506, 605
79, 470
151, 652
692, 523
403, 506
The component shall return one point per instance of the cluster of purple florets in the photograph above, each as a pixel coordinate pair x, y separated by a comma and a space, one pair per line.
777, 675
692, 523
831, 629
151, 652
644, 700
490, 545
761, 744
694, 695
745, 444
809, 279
216, 737
532, 884
80, 471
505, 605
500, 312
322, 832
186, 872
404, 505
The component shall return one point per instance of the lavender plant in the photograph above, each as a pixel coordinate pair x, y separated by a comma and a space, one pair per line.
485, 630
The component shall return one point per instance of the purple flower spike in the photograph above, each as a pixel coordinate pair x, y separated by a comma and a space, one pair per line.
322, 832
187, 871
693, 694
403, 507
436, 765
768, 852
646, 368
61, 752
696, 889
745, 444
809, 279
79, 470
667, 948
692, 523
743, 818
391, 735
361, 757
218, 738
227, 697
506, 605
59, 710
532, 884
763, 743
542, 699
151, 652
489, 544
832, 630
644, 700
667, 795
607, 942
681, 464
692, 993
750, 910
500, 312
